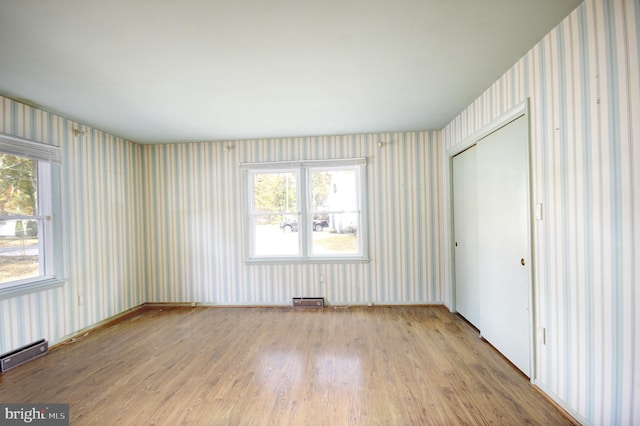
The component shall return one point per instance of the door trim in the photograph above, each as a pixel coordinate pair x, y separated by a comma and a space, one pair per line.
517, 111
511, 115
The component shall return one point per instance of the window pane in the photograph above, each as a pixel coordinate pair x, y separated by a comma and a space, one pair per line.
19, 245
271, 240
17, 185
275, 200
334, 212
19, 250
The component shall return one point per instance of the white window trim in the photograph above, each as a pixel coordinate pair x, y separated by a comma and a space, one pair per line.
30, 149
49, 158
303, 169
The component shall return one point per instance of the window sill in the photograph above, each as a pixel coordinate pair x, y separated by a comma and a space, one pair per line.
27, 288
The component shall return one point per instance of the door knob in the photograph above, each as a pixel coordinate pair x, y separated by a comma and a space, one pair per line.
522, 262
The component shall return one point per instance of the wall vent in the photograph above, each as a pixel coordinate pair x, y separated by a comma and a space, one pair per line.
23, 354
308, 302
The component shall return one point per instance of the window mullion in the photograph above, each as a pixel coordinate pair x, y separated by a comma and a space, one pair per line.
304, 209
44, 205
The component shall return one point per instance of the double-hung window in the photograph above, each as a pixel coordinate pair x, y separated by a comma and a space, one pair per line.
307, 211
29, 201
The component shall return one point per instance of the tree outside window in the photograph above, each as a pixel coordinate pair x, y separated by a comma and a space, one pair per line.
18, 230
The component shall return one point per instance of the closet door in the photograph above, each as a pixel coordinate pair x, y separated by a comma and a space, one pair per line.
465, 228
504, 249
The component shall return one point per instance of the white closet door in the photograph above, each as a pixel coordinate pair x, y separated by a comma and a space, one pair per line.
465, 224
503, 232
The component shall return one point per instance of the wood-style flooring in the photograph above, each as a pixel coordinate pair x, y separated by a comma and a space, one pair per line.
417, 365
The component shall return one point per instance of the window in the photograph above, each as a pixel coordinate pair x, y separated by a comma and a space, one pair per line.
28, 200
306, 211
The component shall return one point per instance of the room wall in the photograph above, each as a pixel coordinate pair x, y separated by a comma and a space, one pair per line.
102, 227
163, 223
195, 223
582, 82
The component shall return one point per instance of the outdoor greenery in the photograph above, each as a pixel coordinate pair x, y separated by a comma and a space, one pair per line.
32, 228
19, 229
18, 198
17, 185
277, 192
320, 182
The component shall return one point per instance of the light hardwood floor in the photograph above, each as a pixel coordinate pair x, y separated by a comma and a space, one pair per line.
254, 366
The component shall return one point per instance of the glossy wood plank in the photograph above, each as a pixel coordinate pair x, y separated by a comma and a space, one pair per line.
268, 366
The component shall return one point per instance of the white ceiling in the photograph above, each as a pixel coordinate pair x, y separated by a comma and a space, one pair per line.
157, 71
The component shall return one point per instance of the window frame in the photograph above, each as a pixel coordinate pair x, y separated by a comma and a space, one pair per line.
303, 170
48, 162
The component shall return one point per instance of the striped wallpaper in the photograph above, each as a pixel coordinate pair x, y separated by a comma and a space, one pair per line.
162, 223
195, 230
102, 227
583, 85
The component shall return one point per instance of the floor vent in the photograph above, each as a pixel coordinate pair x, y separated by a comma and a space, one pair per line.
308, 302
23, 354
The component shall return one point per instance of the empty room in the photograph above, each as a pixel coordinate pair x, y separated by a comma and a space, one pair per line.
292, 212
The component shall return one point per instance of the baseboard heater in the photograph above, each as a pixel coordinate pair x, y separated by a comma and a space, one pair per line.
308, 302
23, 354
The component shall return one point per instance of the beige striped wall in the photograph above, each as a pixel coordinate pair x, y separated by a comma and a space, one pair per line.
102, 226
196, 235
583, 86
